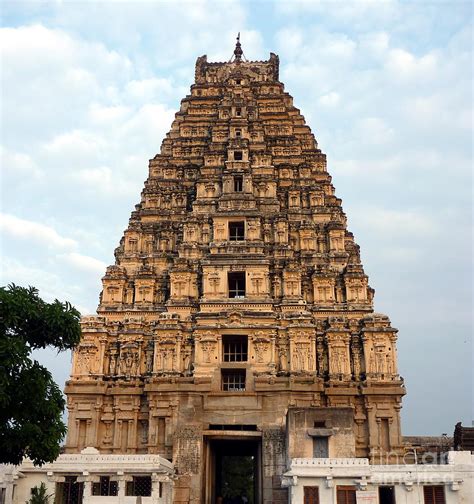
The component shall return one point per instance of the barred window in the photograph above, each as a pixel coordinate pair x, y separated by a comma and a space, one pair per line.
235, 348
69, 491
105, 487
139, 486
233, 380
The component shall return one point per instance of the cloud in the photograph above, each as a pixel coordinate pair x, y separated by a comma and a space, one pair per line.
89, 94
391, 222
34, 232
18, 163
83, 262
330, 99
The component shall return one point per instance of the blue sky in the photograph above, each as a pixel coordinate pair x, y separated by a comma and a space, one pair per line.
89, 89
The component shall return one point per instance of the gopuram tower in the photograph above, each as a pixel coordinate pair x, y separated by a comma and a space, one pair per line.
236, 329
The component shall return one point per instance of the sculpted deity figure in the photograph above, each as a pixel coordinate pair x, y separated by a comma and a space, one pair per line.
260, 348
186, 353
149, 358
338, 360
108, 432
135, 363
372, 362
207, 349
83, 360
299, 356
164, 359
380, 359
282, 357
356, 354
113, 362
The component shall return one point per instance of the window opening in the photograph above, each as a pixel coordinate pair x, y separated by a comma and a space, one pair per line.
69, 492
238, 133
385, 434
346, 495
105, 487
238, 183
233, 380
434, 494
311, 495
233, 427
238, 111
236, 281
320, 447
236, 231
235, 348
238, 155
386, 495
139, 486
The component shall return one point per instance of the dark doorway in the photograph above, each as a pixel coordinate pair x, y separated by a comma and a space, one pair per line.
237, 467
386, 495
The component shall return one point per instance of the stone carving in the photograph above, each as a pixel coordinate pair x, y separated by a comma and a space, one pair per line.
85, 358
150, 350
292, 287
113, 355
282, 356
260, 345
188, 450
274, 451
129, 359
208, 349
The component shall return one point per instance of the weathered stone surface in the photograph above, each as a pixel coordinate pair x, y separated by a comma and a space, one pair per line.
238, 233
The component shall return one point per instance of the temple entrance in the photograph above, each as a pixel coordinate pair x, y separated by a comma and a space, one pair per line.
234, 471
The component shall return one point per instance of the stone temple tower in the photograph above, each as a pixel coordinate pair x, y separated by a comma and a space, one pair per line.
236, 329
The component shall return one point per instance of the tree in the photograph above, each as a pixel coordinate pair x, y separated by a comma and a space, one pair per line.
39, 495
31, 404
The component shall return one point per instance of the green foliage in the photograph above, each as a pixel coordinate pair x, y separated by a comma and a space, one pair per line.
39, 495
31, 404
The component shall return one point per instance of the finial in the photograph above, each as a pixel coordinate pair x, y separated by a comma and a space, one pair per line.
238, 49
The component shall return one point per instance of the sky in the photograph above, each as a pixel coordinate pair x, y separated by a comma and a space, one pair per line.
89, 89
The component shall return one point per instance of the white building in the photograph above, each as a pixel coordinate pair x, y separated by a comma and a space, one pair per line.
354, 481
91, 478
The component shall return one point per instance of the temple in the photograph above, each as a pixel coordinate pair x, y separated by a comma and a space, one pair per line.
236, 329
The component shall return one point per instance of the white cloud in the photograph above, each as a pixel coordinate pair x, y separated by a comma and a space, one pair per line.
374, 130
89, 95
84, 262
18, 163
74, 145
381, 221
403, 65
34, 232
330, 99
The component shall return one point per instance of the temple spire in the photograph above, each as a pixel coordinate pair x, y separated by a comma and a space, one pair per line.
238, 53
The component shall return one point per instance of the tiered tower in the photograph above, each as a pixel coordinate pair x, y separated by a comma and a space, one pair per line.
237, 302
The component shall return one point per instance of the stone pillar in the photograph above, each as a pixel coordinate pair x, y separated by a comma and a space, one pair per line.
86, 479
122, 482
10, 486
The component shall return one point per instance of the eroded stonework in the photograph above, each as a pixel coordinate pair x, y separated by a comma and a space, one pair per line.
238, 234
